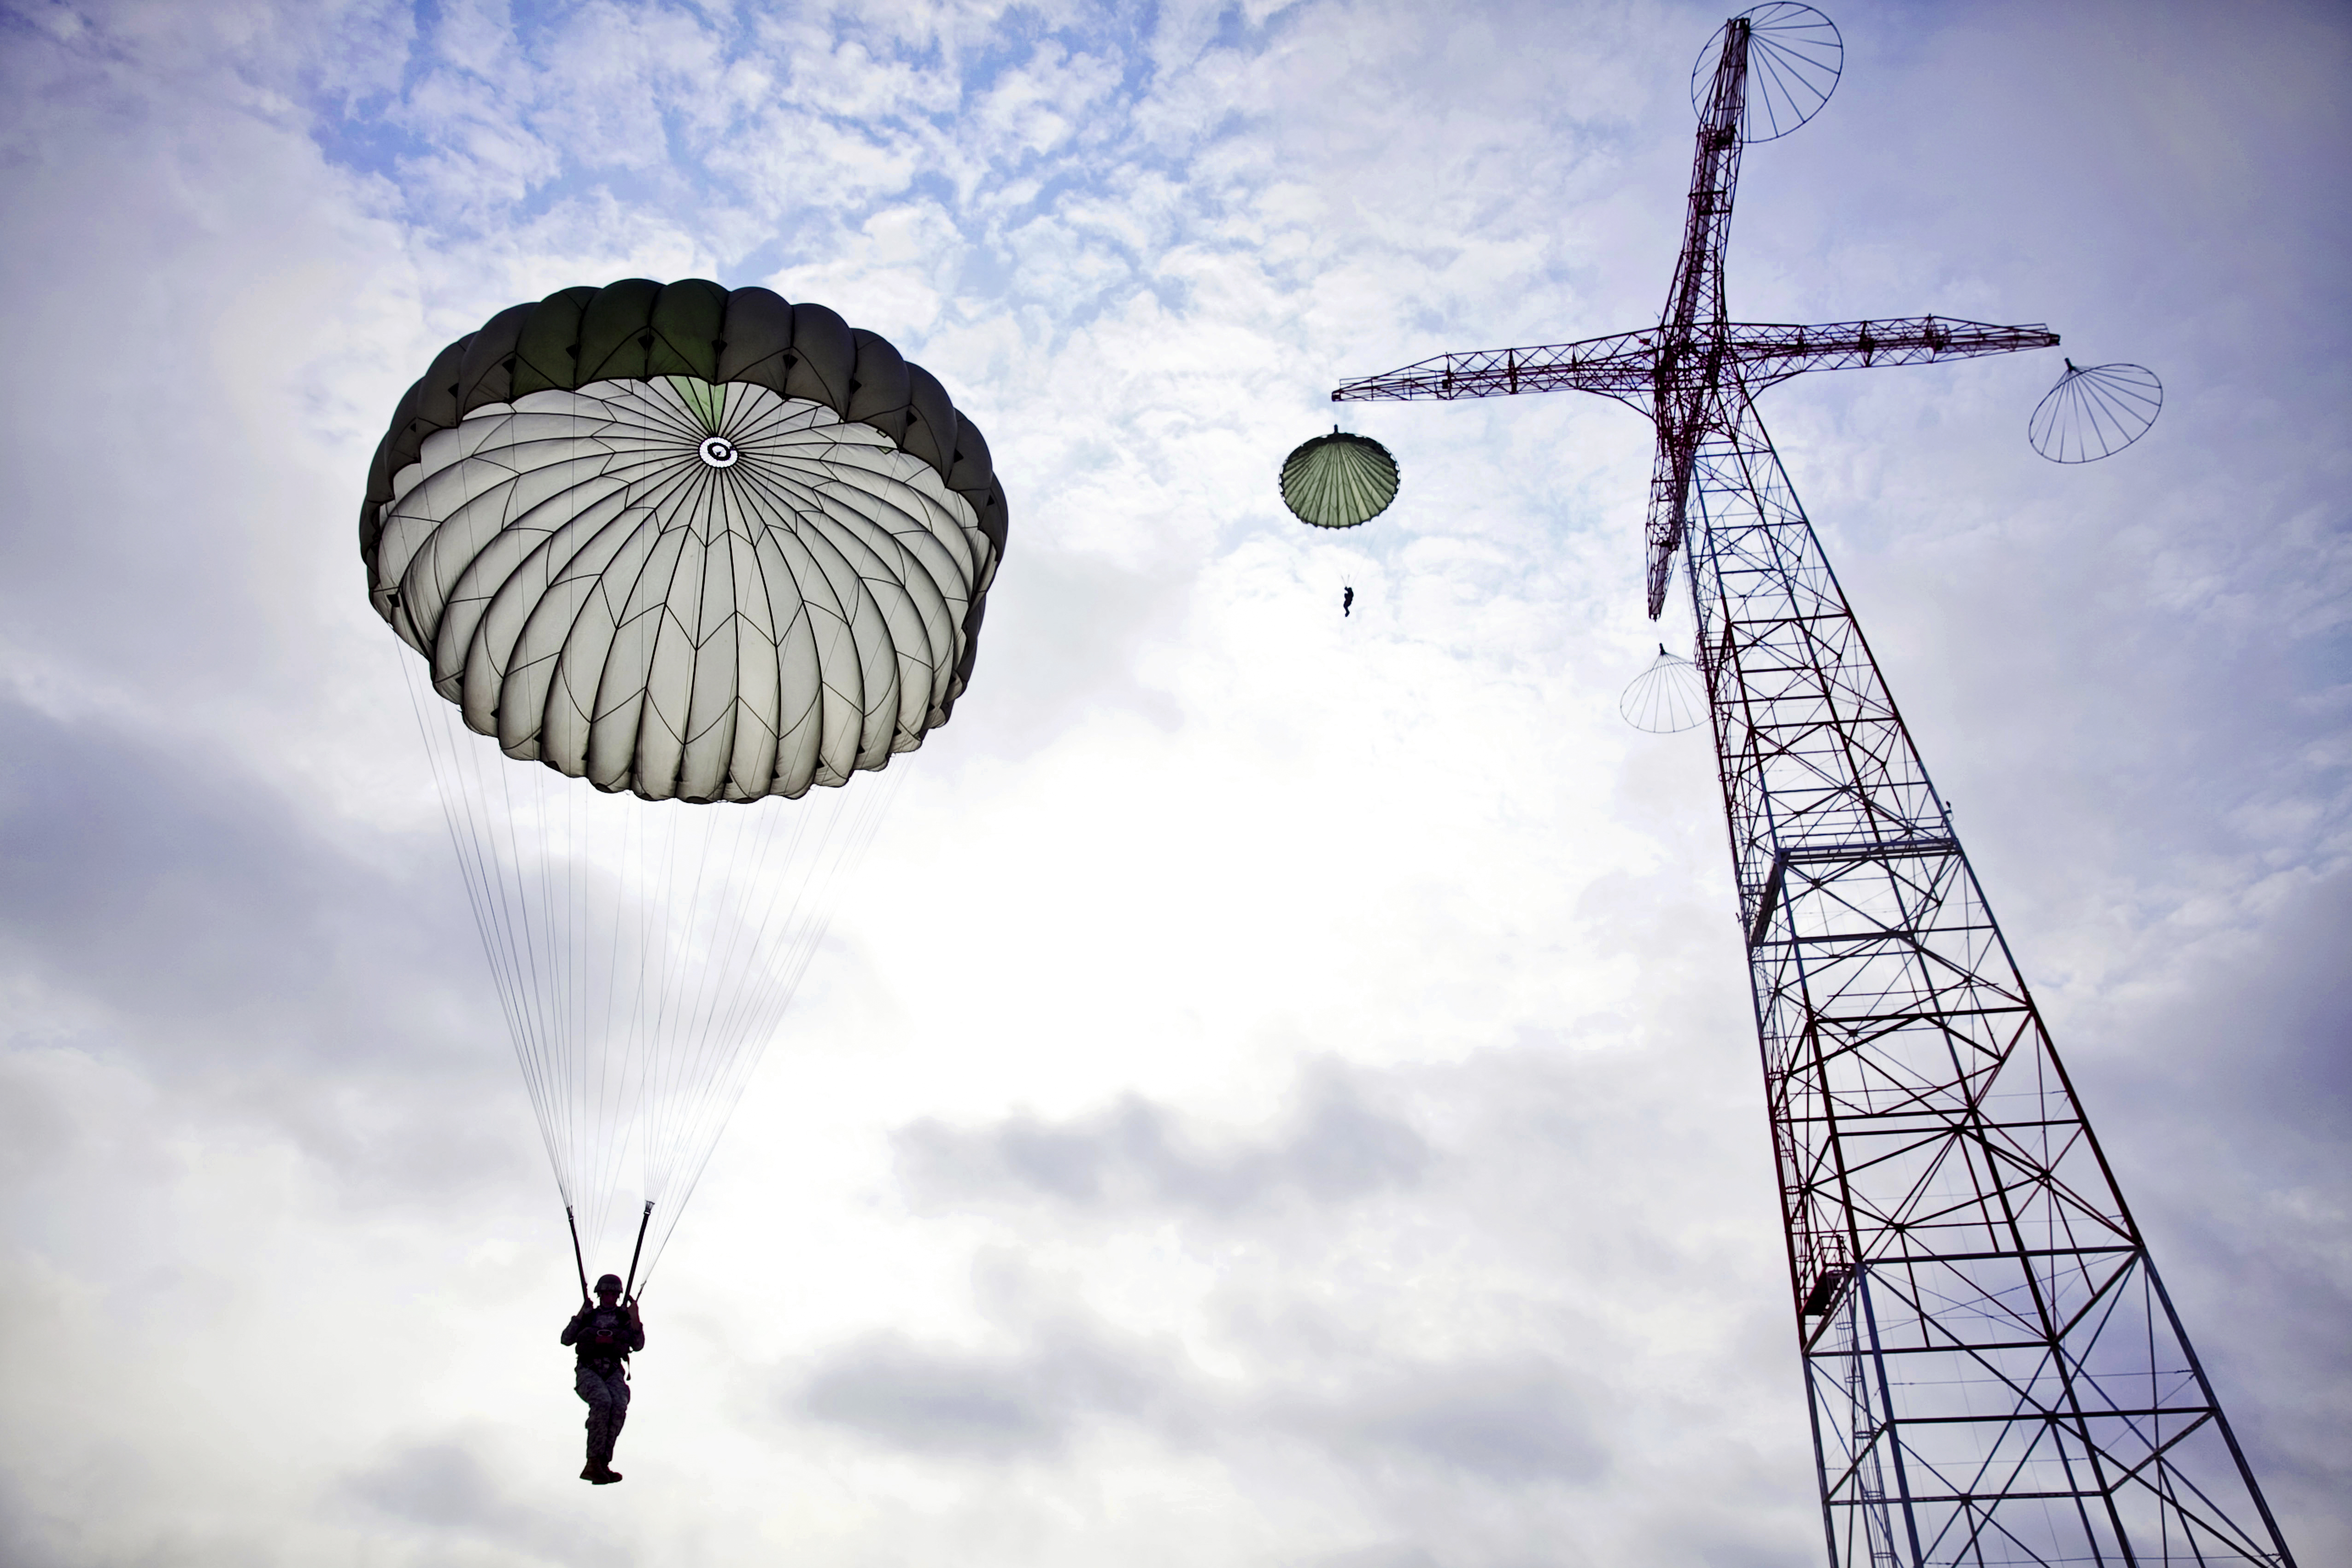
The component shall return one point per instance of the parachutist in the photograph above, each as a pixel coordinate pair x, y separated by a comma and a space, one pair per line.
1346, 601
605, 1333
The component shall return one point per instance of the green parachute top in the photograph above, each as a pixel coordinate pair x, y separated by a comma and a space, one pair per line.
1339, 480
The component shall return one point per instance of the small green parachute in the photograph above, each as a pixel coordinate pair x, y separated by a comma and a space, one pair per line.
1339, 480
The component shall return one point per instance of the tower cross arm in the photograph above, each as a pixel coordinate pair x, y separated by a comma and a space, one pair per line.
1761, 352
1622, 366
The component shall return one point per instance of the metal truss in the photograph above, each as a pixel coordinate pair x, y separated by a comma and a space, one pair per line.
1995, 1373
1625, 365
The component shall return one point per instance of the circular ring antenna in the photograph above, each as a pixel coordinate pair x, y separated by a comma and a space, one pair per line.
2093, 411
1339, 480
1794, 55
1666, 698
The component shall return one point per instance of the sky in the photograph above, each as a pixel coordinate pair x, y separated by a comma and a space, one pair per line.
1282, 1090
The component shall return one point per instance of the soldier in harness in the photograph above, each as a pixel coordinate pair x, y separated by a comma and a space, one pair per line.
605, 1334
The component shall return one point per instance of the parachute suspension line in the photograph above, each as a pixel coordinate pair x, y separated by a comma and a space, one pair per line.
691, 1064
567, 945
621, 847
717, 1023
537, 934
597, 1094
553, 1078
614, 1095
801, 938
736, 896
666, 1082
563, 830
492, 920
632, 835
762, 1001
539, 1046
632, 1048
582, 1064
475, 895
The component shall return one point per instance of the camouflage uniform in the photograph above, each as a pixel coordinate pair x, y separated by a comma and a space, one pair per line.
605, 1337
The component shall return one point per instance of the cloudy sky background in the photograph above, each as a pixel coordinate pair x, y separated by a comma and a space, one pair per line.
1283, 1091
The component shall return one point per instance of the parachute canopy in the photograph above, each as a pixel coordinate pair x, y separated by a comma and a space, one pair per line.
1339, 480
685, 541
693, 546
2095, 410
1666, 699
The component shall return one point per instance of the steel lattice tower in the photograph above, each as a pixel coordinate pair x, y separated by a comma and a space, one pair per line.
1995, 1371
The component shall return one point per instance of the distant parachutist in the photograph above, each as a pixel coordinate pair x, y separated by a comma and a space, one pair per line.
1346, 601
